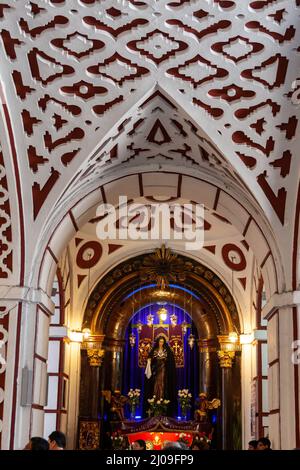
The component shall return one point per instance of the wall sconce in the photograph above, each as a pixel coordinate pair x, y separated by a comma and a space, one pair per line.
86, 333
233, 337
76, 336
229, 342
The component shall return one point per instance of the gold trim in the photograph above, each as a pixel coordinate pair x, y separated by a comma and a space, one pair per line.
95, 357
226, 358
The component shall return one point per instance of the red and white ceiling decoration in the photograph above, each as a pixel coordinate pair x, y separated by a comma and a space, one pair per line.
158, 133
72, 70
6, 262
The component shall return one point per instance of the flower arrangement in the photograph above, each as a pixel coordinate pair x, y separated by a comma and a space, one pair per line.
134, 400
157, 407
184, 398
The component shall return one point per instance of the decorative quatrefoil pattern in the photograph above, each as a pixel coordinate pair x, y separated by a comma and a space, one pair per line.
72, 70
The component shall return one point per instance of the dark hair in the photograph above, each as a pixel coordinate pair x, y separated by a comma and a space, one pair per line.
158, 339
201, 445
253, 443
155, 346
59, 438
141, 443
265, 441
39, 443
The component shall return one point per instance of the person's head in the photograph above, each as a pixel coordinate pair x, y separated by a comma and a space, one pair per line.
139, 445
57, 440
263, 443
161, 342
200, 445
37, 443
176, 445
252, 445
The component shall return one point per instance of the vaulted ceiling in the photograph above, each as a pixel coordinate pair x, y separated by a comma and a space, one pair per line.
91, 86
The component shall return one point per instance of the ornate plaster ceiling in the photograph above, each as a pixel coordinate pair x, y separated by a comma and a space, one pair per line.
88, 85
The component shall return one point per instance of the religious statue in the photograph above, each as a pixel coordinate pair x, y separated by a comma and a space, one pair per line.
203, 405
117, 404
161, 374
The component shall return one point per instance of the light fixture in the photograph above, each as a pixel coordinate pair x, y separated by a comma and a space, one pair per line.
184, 326
150, 319
139, 326
173, 319
76, 336
191, 340
233, 337
132, 339
163, 314
86, 333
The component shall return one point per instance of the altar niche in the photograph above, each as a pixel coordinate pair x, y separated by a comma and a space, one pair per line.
178, 329
116, 316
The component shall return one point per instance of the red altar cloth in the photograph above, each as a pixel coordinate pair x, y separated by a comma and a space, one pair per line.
154, 440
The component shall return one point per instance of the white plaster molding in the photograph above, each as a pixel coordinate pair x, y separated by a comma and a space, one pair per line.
286, 299
28, 295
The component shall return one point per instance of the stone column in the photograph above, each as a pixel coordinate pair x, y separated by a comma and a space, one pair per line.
113, 364
226, 358
73, 401
282, 313
25, 355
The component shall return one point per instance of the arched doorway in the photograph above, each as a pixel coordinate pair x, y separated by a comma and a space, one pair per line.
243, 222
196, 289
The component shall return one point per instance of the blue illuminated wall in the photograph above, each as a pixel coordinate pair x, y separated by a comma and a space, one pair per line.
133, 376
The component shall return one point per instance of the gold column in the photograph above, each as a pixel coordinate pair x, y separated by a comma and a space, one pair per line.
229, 344
93, 347
91, 374
226, 358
